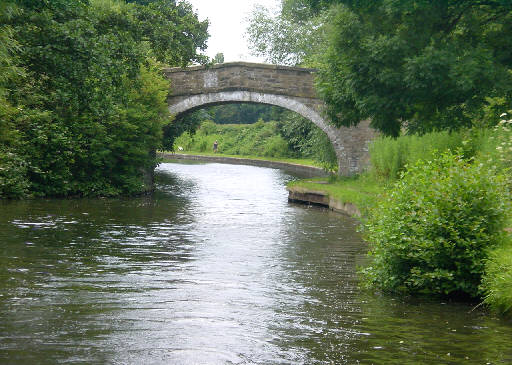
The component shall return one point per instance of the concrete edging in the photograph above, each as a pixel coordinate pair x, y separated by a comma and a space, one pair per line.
302, 169
316, 197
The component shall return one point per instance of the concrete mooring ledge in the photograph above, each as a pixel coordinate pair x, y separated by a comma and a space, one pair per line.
302, 195
301, 169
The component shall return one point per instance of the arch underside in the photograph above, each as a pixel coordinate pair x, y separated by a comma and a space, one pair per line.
290, 103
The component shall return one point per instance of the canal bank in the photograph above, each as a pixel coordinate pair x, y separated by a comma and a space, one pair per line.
289, 166
352, 195
300, 191
300, 194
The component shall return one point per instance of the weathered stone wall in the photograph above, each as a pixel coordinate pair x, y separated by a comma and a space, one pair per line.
288, 87
242, 76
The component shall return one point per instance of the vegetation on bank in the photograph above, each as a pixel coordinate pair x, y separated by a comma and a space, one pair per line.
413, 68
82, 98
435, 211
297, 161
432, 232
258, 140
362, 191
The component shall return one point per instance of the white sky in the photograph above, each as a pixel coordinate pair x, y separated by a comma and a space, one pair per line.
228, 26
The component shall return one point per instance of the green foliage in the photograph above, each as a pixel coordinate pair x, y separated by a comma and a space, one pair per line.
496, 146
184, 123
293, 136
276, 146
260, 139
307, 140
13, 171
289, 38
497, 281
242, 113
425, 65
219, 58
433, 231
390, 156
86, 116
173, 31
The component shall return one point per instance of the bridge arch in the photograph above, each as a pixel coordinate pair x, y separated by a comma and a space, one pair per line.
201, 100
291, 88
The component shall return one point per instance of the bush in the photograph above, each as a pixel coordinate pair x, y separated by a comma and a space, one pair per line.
497, 281
431, 233
260, 139
13, 176
276, 146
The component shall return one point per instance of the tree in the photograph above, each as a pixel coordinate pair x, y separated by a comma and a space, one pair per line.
289, 38
173, 31
242, 113
219, 58
88, 116
306, 139
13, 167
420, 65
186, 122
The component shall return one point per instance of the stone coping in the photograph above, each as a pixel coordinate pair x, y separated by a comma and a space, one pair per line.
299, 194
310, 171
238, 64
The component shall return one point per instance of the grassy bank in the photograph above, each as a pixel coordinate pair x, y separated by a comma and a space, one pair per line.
361, 191
297, 161
414, 246
267, 140
259, 139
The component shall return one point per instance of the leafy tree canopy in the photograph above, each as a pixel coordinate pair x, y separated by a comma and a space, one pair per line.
408, 65
289, 38
219, 58
419, 65
86, 101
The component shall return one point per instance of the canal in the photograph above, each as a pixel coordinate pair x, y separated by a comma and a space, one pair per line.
215, 268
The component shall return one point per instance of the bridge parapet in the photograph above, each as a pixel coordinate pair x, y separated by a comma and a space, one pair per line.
242, 76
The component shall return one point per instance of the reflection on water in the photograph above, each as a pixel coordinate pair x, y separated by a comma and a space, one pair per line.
215, 268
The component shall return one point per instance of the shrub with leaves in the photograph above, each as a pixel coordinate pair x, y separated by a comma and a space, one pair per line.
433, 231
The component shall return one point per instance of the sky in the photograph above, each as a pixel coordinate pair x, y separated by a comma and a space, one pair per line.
228, 25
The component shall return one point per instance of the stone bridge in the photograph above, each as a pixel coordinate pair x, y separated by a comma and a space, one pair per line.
288, 87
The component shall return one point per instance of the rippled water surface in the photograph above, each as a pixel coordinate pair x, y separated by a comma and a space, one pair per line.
215, 268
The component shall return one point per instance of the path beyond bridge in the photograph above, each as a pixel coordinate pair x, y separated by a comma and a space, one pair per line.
288, 87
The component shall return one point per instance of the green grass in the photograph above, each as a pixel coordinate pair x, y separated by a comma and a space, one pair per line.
298, 161
260, 139
497, 281
362, 191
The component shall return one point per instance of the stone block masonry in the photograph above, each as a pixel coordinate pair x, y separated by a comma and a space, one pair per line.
288, 87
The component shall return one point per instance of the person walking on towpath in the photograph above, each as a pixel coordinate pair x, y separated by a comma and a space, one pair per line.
215, 145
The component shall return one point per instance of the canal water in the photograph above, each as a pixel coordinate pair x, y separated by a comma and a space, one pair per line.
215, 268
